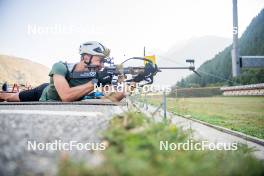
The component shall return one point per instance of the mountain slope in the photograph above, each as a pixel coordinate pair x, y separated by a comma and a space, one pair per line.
200, 49
218, 70
18, 70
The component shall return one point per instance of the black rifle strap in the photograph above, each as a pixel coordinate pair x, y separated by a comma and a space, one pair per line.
69, 71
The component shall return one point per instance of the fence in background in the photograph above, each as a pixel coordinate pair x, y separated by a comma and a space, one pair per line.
245, 90
196, 92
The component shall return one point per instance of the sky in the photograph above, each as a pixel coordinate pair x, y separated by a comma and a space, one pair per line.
52, 30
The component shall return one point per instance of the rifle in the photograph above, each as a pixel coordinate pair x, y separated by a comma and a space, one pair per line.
119, 70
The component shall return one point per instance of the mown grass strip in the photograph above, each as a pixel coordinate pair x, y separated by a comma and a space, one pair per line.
243, 114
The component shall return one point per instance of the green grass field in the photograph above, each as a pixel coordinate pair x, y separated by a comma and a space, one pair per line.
243, 114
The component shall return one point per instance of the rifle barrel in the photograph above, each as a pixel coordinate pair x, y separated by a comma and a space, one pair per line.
170, 68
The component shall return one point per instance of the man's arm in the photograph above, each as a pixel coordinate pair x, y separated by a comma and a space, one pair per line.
67, 93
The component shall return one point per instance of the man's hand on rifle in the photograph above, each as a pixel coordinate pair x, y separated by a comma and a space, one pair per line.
104, 78
149, 71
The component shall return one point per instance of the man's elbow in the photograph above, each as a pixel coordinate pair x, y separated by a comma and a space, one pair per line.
66, 98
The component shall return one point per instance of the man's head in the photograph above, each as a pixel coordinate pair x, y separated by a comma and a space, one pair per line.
94, 53
93, 60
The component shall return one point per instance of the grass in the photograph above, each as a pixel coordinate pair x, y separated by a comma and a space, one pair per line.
134, 150
243, 114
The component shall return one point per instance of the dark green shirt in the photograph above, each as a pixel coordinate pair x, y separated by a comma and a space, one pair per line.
50, 93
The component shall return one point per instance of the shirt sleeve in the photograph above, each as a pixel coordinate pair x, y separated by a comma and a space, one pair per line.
58, 69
